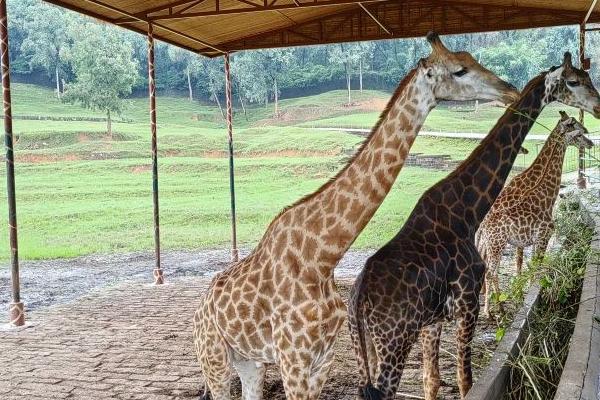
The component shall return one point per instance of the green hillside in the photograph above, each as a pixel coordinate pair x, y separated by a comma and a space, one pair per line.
80, 191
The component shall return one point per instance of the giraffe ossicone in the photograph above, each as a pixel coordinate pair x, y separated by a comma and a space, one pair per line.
279, 304
522, 214
431, 270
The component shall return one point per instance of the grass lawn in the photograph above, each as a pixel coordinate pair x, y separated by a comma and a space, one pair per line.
80, 191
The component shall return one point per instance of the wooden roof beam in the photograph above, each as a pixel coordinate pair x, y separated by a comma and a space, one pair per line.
413, 19
374, 18
245, 7
587, 16
162, 27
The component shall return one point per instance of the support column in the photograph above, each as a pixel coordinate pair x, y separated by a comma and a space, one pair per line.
158, 272
581, 183
235, 254
16, 311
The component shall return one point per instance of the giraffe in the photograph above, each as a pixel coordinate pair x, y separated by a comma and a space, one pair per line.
279, 305
431, 269
522, 213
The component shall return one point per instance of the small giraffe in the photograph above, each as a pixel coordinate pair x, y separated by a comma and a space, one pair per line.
279, 304
522, 213
431, 269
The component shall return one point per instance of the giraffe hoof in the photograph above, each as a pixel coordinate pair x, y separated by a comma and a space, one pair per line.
372, 393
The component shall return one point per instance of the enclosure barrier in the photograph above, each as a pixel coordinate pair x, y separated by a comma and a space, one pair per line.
16, 311
580, 379
491, 385
158, 272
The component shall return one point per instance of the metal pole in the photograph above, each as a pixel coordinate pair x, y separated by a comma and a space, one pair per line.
581, 164
234, 250
158, 272
16, 310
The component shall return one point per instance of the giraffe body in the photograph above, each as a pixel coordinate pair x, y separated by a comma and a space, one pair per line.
522, 214
279, 305
431, 270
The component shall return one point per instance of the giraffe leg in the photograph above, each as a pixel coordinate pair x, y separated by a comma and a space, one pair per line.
519, 259
392, 356
213, 355
319, 374
252, 375
295, 373
491, 278
541, 243
371, 354
430, 339
465, 331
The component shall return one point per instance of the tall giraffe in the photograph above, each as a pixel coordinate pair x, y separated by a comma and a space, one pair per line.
431, 269
522, 213
279, 304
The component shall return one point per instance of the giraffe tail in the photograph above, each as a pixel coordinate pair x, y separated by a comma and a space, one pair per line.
369, 391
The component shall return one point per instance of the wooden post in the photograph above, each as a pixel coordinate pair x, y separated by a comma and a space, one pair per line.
581, 183
158, 272
16, 310
234, 250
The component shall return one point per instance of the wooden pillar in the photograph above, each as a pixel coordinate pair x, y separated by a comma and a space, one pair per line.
581, 183
158, 272
16, 309
234, 250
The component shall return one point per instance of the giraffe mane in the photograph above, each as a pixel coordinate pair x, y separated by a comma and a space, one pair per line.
364, 144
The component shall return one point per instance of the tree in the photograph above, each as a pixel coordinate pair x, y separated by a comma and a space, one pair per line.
46, 28
365, 55
259, 73
210, 75
104, 69
347, 55
186, 59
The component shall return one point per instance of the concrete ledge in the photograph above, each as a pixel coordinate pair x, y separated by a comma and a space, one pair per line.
491, 385
581, 374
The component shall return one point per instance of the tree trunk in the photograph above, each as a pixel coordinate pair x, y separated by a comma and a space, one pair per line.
57, 82
63, 86
276, 98
219, 104
108, 124
360, 73
348, 84
242, 104
189, 79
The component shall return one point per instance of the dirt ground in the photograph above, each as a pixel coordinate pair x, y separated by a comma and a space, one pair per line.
52, 289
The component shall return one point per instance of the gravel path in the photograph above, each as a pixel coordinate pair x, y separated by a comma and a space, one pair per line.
52, 282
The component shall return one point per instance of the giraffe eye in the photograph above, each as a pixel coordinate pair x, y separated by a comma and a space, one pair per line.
460, 72
573, 83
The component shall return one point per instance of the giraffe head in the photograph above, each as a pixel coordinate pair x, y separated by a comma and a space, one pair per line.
458, 76
574, 132
573, 87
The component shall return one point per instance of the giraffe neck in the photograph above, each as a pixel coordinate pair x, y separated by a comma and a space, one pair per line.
333, 216
542, 179
471, 189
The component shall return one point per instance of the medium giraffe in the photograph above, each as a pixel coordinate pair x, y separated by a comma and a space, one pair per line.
279, 305
431, 269
522, 213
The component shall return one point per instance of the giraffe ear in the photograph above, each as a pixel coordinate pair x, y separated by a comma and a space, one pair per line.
563, 115
436, 43
567, 60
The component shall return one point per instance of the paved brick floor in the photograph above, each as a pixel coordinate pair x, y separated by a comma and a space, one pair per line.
130, 341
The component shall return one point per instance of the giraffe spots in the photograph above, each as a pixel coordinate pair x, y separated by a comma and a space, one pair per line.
297, 238
355, 211
315, 224
243, 311
292, 263
298, 296
309, 249
342, 203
